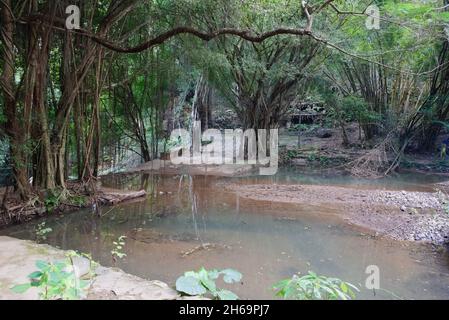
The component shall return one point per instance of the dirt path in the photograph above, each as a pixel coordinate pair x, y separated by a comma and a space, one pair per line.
402, 215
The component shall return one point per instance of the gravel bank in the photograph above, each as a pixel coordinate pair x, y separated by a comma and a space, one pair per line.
401, 215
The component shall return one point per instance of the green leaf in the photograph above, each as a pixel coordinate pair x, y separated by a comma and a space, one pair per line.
190, 285
41, 264
213, 274
21, 288
227, 295
83, 284
35, 275
209, 284
281, 284
231, 276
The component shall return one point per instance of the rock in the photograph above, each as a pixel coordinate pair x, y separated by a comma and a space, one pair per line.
18, 259
81, 266
324, 133
403, 208
127, 287
420, 236
299, 162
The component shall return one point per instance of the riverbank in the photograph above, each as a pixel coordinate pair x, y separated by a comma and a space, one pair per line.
18, 259
401, 215
75, 197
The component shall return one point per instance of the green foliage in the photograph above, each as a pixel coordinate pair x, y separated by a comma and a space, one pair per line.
78, 200
292, 154
302, 127
377, 73
322, 160
42, 231
55, 281
52, 200
356, 109
314, 287
117, 251
172, 143
202, 283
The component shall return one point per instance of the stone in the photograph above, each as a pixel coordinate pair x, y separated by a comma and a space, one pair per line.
324, 133
299, 162
81, 265
18, 259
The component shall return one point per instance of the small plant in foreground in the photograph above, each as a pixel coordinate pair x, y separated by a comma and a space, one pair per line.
117, 251
314, 287
202, 283
55, 280
42, 231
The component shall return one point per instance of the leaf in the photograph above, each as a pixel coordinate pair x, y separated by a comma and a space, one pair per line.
231, 276
281, 284
190, 285
59, 265
83, 284
41, 264
214, 274
227, 295
203, 274
353, 286
21, 288
35, 275
209, 284
191, 274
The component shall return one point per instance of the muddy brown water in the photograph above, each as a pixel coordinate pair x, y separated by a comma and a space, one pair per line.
189, 222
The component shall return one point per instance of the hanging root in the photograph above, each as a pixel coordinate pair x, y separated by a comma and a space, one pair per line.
376, 163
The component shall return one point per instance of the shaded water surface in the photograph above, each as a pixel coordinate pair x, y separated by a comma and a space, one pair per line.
189, 222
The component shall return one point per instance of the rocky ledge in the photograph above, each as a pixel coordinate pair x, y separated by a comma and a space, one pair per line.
18, 258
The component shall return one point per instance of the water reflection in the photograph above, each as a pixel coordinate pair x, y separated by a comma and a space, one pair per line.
189, 222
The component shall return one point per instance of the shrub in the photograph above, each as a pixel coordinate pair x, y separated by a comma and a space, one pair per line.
314, 287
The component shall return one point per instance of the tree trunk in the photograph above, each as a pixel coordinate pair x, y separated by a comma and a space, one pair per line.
14, 131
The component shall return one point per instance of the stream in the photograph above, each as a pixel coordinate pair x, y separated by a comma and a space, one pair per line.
189, 222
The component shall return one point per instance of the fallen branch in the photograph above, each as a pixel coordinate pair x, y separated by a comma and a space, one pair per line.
107, 197
204, 246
